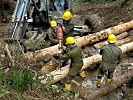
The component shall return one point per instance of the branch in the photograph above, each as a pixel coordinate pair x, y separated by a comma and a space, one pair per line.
9, 55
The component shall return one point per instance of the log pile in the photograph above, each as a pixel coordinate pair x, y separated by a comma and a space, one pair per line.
124, 41
120, 37
85, 40
59, 74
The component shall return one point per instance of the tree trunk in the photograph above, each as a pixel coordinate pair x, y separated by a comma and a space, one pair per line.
122, 35
92, 50
118, 42
55, 76
50, 66
124, 41
85, 40
90, 39
119, 37
53, 50
61, 73
119, 81
98, 58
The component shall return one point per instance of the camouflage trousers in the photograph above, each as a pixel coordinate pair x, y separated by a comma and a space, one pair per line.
106, 69
73, 72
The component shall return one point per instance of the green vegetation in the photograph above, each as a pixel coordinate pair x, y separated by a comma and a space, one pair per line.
77, 0
17, 81
101, 1
35, 44
105, 1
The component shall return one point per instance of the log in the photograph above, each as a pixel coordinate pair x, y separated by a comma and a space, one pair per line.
119, 81
122, 35
93, 49
85, 40
55, 76
9, 55
118, 42
96, 59
124, 41
90, 39
50, 66
119, 37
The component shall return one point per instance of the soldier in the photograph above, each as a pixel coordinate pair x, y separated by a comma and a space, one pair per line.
75, 55
68, 26
111, 55
52, 33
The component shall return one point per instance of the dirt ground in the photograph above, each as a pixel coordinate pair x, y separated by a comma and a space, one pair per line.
110, 15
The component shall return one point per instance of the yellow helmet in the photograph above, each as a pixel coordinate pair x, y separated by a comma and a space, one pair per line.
112, 38
67, 15
70, 40
53, 23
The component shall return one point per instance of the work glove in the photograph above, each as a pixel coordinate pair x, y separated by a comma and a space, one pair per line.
82, 74
108, 80
68, 86
98, 84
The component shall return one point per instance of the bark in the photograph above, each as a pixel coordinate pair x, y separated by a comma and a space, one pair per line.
119, 81
50, 66
118, 42
122, 35
55, 76
61, 73
98, 58
85, 40
90, 39
124, 41
119, 37
89, 51
53, 50
9, 55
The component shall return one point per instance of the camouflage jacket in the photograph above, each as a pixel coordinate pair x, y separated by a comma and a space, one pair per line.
52, 36
110, 55
75, 55
69, 27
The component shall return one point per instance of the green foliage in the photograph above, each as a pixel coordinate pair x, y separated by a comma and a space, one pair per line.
16, 81
35, 44
8, 15
101, 1
118, 2
77, 0
26, 81
66, 91
1, 75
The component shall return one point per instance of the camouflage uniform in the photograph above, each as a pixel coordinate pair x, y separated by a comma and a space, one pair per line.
75, 55
52, 36
69, 27
110, 55
68, 31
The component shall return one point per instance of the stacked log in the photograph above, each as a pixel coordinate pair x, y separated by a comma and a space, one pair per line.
85, 40
91, 50
119, 38
96, 59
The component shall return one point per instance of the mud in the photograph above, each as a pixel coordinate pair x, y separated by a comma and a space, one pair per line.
111, 15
